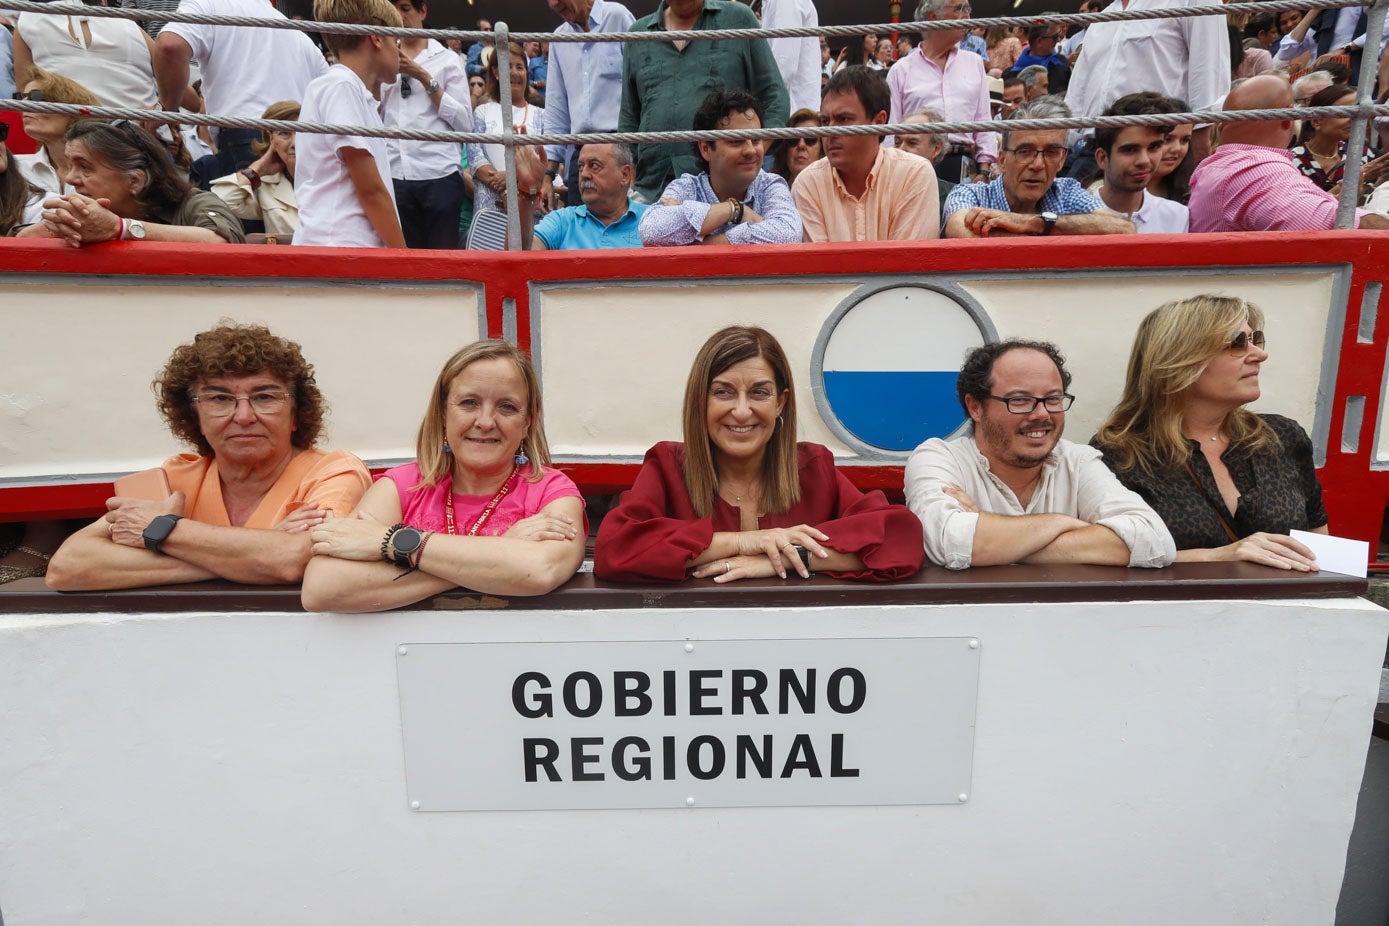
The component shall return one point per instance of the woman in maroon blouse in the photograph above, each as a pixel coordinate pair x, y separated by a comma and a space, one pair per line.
740, 498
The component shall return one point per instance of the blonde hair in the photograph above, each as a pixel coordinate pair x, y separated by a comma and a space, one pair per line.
59, 89
1173, 347
781, 484
433, 461
354, 12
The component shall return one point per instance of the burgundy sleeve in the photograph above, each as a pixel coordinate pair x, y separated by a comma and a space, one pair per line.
886, 537
652, 533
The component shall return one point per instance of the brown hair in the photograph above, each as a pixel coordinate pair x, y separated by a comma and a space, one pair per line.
781, 484
354, 12
494, 81
287, 110
433, 461
237, 350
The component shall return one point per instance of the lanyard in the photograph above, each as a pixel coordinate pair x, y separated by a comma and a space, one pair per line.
487, 510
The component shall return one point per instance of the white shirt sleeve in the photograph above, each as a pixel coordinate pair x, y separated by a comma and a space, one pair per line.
1102, 499
947, 528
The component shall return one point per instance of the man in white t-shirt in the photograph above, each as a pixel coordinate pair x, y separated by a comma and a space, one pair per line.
1128, 157
244, 70
343, 182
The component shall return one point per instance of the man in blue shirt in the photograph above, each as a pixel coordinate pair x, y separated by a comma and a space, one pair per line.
607, 219
1027, 198
1041, 49
474, 63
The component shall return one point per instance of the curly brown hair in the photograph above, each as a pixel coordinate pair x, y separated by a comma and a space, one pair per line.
237, 350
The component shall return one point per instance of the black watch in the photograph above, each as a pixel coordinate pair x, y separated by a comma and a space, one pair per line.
405, 542
804, 554
1049, 222
158, 530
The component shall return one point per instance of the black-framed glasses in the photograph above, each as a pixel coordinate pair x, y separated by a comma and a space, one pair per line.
1239, 344
223, 404
1053, 154
33, 96
1024, 404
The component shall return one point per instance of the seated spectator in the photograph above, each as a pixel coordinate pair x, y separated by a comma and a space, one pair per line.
1012, 490
1172, 176
796, 154
1128, 157
1042, 52
115, 56
1321, 149
1029, 199
126, 188
489, 161
1035, 82
939, 76
1229, 483
740, 498
265, 190
480, 507
860, 190
1004, 49
21, 203
607, 219
1014, 95
732, 200
1309, 85
1299, 44
241, 506
662, 84
47, 167
1250, 182
931, 147
346, 198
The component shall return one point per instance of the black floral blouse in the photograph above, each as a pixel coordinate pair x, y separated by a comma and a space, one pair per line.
1279, 490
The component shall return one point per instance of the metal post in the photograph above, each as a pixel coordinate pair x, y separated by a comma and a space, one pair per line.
513, 205
1355, 147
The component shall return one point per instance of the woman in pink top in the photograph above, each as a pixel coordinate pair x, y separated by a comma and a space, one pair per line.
481, 507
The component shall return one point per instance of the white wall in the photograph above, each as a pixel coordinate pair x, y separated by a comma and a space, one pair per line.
1137, 763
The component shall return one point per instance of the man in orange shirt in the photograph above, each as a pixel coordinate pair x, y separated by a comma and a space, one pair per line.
860, 191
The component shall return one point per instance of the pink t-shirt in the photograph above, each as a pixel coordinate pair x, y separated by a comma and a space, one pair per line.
423, 507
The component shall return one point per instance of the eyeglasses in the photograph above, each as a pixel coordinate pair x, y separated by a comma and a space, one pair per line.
1024, 404
33, 96
1239, 344
1052, 154
223, 404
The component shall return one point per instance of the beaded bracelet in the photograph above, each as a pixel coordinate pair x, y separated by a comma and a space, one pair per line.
386, 542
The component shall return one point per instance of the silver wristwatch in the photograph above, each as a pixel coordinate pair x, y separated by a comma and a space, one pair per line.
432, 87
135, 229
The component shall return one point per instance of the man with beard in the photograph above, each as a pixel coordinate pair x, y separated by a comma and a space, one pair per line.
1128, 158
1011, 490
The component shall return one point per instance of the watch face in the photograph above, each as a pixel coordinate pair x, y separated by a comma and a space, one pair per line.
137, 229
1049, 216
406, 540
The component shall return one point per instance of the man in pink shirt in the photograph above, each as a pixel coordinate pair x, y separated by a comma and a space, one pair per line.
939, 76
861, 191
1250, 182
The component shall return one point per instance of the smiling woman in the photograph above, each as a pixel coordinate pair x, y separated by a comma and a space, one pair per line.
740, 498
482, 497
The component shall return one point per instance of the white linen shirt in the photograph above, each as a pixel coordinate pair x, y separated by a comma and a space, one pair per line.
244, 70
38, 169
1187, 58
797, 59
1074, 482
330, 213
583, 87
960, 93
428, 160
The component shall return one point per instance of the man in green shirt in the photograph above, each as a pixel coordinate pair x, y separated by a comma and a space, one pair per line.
663, 83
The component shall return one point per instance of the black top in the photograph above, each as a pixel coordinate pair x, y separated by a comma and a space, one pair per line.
1279, 490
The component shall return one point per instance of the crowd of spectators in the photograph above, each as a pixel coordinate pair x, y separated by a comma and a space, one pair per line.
367, 192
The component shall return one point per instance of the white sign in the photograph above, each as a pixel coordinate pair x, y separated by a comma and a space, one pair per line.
721, 723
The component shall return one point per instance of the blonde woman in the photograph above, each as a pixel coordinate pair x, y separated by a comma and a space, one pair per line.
48, 167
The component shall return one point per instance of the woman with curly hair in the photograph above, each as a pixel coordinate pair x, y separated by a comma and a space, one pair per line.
241, 506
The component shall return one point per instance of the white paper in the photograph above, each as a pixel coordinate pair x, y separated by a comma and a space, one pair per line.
1337, 554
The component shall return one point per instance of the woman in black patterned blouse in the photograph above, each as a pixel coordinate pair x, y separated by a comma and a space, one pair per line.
1229, 483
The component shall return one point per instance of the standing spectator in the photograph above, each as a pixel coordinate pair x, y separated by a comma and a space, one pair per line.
1186, 58
455, 45
585, 81
974, 41
1070, 46
244, 70
1250, 182
860, 190
345, 193
431, 95
475, 65
938, 76
113, 55
885, 54
152, 26
1028, 199
1129, 157
859, 52
48, 167
1041, 50
732, 200
536, 68
265, 191
799, 60
826, 59
489, 161
663, 83
906, 44
1004, 49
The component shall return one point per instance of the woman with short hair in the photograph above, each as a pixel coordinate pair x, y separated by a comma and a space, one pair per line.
740, 498
796, 154
1229, 483
481, 507
144, 195
264, 190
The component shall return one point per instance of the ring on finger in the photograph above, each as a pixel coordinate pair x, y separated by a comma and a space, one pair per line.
727, 567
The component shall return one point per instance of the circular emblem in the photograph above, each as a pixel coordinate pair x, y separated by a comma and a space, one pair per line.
888, 362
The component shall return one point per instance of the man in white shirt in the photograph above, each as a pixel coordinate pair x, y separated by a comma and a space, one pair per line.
244, 70
430, 94
1128, 158
797, 59
1012, 490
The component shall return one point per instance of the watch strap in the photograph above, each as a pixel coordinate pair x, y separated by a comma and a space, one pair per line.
158, 530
